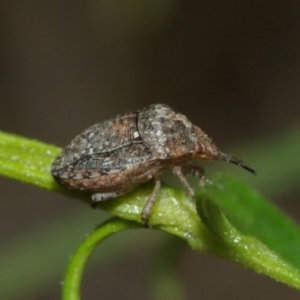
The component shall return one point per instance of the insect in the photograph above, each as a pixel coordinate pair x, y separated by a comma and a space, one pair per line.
113, 157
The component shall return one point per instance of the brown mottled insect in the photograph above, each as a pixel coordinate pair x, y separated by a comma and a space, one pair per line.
113, 157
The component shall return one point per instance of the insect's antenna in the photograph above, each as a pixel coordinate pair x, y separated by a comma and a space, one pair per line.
229, 158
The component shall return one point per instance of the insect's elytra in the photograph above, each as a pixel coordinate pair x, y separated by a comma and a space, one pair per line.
114, 156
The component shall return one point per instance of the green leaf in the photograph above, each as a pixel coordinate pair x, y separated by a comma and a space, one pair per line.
252, 232
175, 213
250, 214
27, 160
235, 232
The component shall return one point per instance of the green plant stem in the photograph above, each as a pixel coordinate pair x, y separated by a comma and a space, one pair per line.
225, 233
73, 276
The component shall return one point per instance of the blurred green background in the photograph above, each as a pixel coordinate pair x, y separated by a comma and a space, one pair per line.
232, 67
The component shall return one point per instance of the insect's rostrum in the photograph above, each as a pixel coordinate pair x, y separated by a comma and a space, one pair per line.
112, 157
236, 161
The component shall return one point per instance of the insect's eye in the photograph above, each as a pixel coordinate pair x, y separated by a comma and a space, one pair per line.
199, 148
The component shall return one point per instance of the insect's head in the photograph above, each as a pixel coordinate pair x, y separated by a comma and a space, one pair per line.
205, 149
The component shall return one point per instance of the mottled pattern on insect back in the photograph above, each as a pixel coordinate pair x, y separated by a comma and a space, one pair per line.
114, 156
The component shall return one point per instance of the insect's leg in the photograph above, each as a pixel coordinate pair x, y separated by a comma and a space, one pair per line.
151, 201
180, 174
195, 171
98, 197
